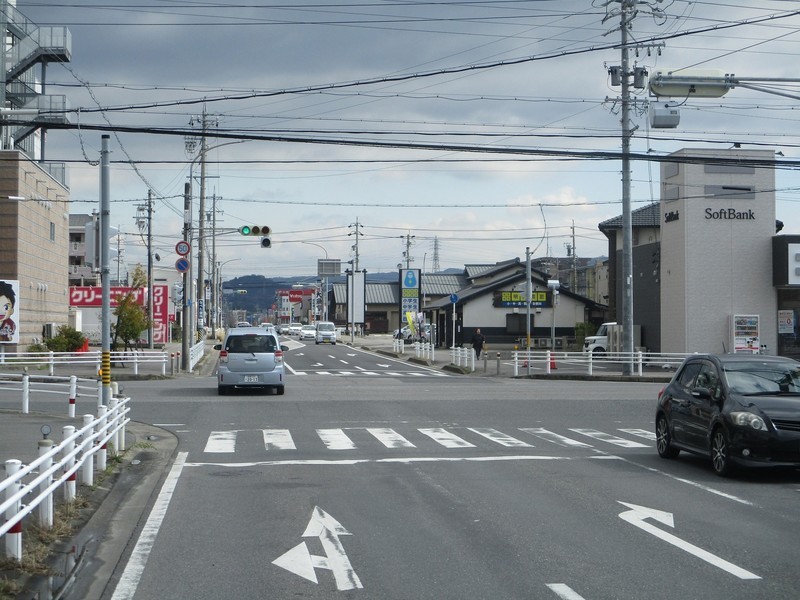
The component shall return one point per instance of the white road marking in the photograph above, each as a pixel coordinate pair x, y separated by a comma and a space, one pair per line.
562, 590
611, 439
362, 461
126, 588
500, 438
642, 433
278, 439
445, 438
558, 440
335, 439
221, 442
636, 517
389, 437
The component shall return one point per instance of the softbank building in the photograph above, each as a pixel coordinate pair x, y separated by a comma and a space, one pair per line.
713, 275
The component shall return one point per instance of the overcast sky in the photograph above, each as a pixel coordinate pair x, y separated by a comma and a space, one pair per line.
503, 78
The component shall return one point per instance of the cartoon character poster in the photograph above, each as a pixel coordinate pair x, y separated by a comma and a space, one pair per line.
9, 311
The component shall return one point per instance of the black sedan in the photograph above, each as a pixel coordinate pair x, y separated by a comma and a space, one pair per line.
737, 409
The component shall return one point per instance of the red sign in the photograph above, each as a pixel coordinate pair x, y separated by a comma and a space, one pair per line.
92, 297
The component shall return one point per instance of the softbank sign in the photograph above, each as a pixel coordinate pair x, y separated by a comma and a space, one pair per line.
732, 214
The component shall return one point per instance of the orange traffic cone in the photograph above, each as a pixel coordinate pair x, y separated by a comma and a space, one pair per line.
553, 361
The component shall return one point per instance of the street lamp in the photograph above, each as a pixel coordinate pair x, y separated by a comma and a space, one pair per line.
217, 312
324, 282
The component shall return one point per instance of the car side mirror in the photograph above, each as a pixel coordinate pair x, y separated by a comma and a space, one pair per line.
703, 393
284, 348
217, 346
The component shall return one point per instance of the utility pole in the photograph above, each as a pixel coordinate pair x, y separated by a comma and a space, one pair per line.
186, 329
357, 233
201, 288
105, 274
407, 253
151, 341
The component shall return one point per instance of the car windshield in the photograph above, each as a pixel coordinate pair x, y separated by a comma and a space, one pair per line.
763, 378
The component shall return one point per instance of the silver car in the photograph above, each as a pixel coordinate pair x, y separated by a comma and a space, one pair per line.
250, 357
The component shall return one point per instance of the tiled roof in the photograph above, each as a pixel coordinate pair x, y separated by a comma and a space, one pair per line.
647, 216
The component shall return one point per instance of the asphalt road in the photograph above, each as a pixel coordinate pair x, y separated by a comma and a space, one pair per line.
398, 482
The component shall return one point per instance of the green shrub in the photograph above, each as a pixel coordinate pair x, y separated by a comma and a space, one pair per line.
66, 339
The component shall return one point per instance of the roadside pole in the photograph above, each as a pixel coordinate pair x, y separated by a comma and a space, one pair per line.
105, 272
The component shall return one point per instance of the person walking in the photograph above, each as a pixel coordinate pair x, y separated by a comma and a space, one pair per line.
477, 342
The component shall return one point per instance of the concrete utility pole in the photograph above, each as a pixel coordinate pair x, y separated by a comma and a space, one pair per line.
105, 271
186, 329
627, 12
407, 253
357, 233
201, 288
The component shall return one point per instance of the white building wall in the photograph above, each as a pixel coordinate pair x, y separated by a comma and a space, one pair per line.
716, 251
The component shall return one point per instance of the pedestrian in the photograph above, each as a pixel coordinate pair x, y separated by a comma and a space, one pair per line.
477, 342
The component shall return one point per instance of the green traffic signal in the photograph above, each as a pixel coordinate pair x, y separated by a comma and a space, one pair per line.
254, 230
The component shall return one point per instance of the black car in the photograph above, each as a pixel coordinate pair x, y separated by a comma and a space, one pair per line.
737, 409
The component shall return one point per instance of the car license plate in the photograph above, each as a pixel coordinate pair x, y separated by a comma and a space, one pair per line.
251, 378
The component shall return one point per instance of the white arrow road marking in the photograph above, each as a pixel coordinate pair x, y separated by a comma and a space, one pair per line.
384, 366
562, 590
636, 517
301, 562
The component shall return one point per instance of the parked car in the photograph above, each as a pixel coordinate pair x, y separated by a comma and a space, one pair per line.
325, 333
308, 332
737, 409
250, 357
294, 329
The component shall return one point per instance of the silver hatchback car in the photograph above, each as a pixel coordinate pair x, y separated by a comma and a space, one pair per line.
250, 357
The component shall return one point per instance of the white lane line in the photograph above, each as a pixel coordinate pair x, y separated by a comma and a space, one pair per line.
221, 442
278, 439
395, 460
126, 588
335, 439
562, 590
610, 439
286, 366
389, 437
445, 438
500, 438
555, 438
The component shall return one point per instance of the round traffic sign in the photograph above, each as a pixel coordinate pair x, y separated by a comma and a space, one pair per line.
182, 265
183, 248
453, 298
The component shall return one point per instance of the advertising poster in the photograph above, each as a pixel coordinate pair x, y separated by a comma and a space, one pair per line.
9, 311
89, 300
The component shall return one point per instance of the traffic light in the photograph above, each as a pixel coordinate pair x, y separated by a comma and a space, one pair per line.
254, 230
266, 242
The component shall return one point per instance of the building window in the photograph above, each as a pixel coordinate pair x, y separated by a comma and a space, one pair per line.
52, 232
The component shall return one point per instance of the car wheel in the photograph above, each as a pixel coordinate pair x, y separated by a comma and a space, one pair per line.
720, 453
664, 439
279, 390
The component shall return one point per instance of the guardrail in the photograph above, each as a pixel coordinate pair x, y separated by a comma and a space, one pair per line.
585, 361
57, 466
92, 357
196, 352
70, 388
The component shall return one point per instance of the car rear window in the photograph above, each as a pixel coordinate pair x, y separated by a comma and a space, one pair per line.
251, 343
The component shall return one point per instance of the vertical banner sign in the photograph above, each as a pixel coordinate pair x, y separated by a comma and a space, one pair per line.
356, 297
9, 311
410, 293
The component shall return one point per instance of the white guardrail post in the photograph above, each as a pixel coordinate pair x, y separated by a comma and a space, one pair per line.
73, 394
68, 449
46, 507
14, 535
87, 469
99, 429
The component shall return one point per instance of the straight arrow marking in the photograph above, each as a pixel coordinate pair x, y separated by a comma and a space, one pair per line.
301, 562
636, 517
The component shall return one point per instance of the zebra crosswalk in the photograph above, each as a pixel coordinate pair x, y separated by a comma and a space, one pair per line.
353, 438
358, 372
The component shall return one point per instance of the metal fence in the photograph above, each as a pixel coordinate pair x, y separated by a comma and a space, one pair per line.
91, 358
29, 488
585, 362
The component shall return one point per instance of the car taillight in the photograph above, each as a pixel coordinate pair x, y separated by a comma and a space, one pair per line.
661, 393
223, 356
278, 356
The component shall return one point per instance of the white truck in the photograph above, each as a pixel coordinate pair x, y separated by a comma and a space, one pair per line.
598, 343
608, 338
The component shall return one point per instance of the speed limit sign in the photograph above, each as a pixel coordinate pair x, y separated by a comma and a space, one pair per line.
183, 248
